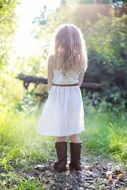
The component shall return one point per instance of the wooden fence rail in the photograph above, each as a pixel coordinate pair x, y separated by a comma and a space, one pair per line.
28, 79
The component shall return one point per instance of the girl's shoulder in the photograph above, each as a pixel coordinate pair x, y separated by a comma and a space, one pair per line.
51, 60
51, 57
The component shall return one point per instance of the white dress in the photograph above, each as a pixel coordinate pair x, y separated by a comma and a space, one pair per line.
63, 113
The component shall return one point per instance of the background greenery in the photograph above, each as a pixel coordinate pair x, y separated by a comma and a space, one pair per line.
106, 38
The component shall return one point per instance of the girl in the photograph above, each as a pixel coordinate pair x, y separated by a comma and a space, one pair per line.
63, 113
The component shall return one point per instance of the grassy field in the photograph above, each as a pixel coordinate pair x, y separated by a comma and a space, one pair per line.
21, 146
106, 134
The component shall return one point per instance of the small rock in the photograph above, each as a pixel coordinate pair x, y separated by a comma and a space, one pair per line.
41, 167
95, 174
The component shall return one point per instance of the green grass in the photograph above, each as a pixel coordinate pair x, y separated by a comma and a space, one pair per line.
13, 181
30, 185
19, 140
106, 133
21, 147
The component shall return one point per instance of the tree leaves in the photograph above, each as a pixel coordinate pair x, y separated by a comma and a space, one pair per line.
7, 26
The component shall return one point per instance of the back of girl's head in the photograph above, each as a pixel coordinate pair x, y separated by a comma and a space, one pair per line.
69, 48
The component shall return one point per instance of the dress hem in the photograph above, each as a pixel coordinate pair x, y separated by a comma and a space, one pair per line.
60, 135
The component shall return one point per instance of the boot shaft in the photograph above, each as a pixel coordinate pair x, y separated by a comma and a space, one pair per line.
61, 150
75, 149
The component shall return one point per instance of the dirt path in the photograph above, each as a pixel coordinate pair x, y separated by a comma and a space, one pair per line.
97, 174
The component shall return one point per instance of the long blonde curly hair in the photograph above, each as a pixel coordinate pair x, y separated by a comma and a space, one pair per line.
69, 49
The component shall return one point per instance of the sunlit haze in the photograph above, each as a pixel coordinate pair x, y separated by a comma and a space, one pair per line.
24, 43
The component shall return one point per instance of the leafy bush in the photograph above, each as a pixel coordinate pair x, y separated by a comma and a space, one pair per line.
107, 44
7, 28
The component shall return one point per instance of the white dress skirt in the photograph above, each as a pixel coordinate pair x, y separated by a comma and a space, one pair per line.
63, 113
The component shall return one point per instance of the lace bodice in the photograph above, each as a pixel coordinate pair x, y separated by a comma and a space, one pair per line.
70, 77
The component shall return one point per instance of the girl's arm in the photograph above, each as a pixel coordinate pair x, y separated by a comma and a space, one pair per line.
81, 77
50, 72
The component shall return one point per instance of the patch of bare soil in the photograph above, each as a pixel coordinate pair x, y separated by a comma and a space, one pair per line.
97, 174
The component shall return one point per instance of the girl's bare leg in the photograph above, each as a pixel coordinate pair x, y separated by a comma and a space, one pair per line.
60, 139
75, 138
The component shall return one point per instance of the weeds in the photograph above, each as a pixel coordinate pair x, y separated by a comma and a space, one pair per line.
21, 146
106, 133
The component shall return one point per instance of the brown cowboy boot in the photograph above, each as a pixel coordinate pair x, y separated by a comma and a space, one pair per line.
75, 149
61, 150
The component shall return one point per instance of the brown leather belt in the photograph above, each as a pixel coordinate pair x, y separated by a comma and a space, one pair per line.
65, 84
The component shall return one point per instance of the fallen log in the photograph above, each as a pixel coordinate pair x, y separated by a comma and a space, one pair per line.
27, 79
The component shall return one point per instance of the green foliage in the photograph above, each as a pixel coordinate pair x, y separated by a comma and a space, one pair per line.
28, 102
109, 39
106, 1
30, 185
105, 132
13, 181
63, 14
8, 95
9, 180
11, 92
117, 1
107, 42
33, 65
19, 141
118, 140
7, 27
